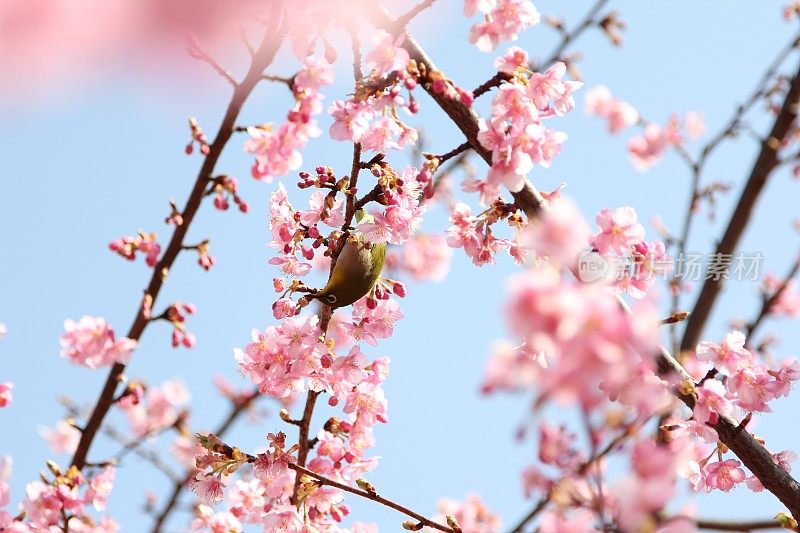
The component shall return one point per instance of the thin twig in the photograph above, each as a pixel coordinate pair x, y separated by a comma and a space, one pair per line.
308, 411
581, 470
264, 56
239, 407
463, 147
370, 496
762, 169
768, 302
730, 525
749, 450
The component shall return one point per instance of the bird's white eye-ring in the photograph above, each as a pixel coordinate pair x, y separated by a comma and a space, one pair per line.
331, 298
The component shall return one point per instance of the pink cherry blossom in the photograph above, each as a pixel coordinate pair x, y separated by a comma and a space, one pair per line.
91, 342
647, 149
561, 233
424, 257
712, 402
277, 149
387, 55
350, 120
559, 317
694, 124
100, 488
555, 446
210, 489
753, 388
512, 368
620, 114
514, 58
143, 242
788, 301
473, 6
207, 520
619, 231
728, 356
488, 192
788, 373
515, 133
649, 487
549, 86
724, 475
162, 407
62, 439
5, 393
556, 521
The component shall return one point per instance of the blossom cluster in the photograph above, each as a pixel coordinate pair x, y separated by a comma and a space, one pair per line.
749, 384
475, 235
516, 133
277, 149
91, 342
285, 360
371, 116
621, 240
503, 21
154, 409
143, 242
62, 501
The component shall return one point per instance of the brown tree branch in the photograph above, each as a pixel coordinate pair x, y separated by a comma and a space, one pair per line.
370, 496
741, 442
263, 57
765, 163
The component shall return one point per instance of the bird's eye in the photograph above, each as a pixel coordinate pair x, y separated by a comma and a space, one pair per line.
331, 299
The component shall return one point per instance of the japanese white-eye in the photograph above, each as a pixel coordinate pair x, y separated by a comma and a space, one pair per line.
357, 269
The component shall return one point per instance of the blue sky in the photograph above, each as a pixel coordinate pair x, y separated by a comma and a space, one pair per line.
103, 159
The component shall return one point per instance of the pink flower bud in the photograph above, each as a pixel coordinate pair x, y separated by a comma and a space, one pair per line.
399, 288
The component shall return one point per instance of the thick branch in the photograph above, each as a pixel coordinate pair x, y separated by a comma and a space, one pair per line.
765, 163
263, 57
569, 37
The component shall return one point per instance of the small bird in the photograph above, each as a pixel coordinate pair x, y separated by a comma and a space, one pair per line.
357, 270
